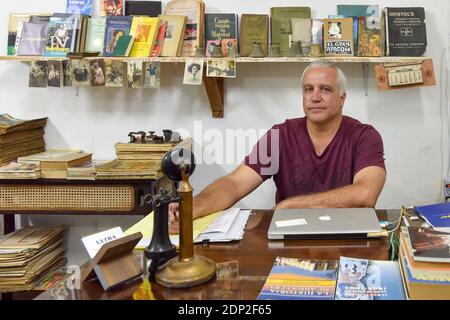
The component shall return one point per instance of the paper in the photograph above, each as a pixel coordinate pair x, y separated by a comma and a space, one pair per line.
291, 222
229, 226
94, 242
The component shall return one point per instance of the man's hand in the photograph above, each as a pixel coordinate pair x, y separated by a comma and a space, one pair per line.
174, 221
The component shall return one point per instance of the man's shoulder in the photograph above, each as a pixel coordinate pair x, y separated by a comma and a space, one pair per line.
357, 129
290, 124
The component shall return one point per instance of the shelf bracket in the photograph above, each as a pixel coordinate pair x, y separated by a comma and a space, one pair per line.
214, 88
77, 91
365, 70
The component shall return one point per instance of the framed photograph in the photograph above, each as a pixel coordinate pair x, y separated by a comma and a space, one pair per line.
193, 72
221, 68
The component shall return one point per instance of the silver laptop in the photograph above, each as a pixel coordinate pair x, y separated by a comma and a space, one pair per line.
342, 223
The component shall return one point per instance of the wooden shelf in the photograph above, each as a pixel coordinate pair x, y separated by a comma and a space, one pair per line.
215, 86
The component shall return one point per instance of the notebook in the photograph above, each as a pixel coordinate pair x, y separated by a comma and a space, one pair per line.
342, 223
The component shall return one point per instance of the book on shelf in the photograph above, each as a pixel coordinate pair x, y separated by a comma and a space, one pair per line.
33, 237
79, 6
57, 159
14, 31
124, 46
174, 35
406, 33
115, 28
159, 39
436, 215
81, 28
122, 169
281, 26
142, 8
98, 72
338, 37
9, 124
363, 279
220, 26
33, 39
316, 49
300, 279
41, 17
143, 30
85, 171
194, 10
15, 170
429, 245
369, 37
253, 28
95, 34
301, 32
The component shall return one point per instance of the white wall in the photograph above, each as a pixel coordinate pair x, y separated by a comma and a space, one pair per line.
412, 122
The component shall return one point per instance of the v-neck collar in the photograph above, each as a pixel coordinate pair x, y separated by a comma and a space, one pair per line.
311, 144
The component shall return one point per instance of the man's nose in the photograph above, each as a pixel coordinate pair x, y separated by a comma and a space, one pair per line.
316, 96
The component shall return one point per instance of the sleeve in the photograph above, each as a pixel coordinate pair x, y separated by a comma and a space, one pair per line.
264, 158
369, 151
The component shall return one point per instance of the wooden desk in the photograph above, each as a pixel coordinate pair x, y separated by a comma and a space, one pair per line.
253, 255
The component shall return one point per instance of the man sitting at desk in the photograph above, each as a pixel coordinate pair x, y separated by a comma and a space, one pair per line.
322, 160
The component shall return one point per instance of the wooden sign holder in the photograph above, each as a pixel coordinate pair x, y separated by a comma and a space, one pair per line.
426, 65
115, 263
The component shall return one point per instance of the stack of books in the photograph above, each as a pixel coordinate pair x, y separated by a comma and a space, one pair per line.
20, 137
28, 254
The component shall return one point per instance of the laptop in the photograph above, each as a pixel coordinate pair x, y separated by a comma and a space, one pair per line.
327, 223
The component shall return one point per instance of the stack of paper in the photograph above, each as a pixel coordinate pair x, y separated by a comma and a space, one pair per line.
27, 254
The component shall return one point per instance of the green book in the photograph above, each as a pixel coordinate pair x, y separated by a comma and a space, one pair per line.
124, 46
254, 28
95, 34
281, 26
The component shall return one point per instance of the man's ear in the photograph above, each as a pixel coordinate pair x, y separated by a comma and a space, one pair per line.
343, 99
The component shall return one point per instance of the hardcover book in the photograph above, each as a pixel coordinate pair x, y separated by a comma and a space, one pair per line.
143, 29
95, 34
115, 28
174, 35
254, 28
61, 36
429, 245
142, 8
124, 46
296, 279
369, 37
405, 31
114, 73
437, 215
362, 279
55, 73
220, 25
358, 10
106, 8
338, 36
79, 6
33, 39
281, 26
14, 30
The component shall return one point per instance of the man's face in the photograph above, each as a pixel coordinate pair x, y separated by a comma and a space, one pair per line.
322, 101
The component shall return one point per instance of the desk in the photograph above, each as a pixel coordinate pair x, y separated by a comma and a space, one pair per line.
253, 256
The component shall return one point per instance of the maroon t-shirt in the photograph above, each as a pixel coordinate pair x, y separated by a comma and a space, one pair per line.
297, 170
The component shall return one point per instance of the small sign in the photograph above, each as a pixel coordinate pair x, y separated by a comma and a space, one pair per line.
94, 242
290, 223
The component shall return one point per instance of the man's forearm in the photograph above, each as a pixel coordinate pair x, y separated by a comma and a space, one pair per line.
344, 197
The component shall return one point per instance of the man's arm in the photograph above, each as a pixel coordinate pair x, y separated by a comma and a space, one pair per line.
364, 192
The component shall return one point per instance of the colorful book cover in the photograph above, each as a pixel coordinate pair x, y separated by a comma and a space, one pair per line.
114, 73
338, 36
14, 30
108, 8
55, 73
227, 44
369, 37
219, 26
79, 6
362, 279
143, 29
123, 46
429, 245
297, 279
211, 45
61, 36
173, 38
437, 215
33, 39
159, 39
115, 28
358, 10
95, 34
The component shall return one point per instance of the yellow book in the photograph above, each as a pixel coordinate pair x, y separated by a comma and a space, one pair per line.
145, 226
143, 29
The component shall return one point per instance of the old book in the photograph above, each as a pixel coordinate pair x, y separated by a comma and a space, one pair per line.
281, 27
79, 6
174, 35
124, 46
297, 279
159, 39
55, 73
405, 31
10, 124
142, 8
363, 279
15, 29
357, 10
115, 28
33, 39
15, 170
219, 26
253, 28
301, 32
143, 169
194, 10
115, 73
144, 30
81, 28
338, 37
63, 161
107, 8
143, 147
369, 37
316, 49
32, 237
85, 171
95, 34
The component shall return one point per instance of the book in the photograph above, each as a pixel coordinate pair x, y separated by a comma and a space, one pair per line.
15, 170
159, 39
301, 32
369, 37
436, 215
219, 26
123, 46
79, 6
316, 49
10, 124
174, 35
358, 10
281, 27
95, 34
61, 36
194, 10
38, 74
15, 30
114, 73
32, 237
338, 37
107, 8
55, 73
253, 28
144, 30
429, 245
298, 279
142, 8
405, 31
115, 28
33, 39
227, 44
81, 28
362, 279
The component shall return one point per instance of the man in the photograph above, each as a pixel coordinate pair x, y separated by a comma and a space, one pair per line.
322, 160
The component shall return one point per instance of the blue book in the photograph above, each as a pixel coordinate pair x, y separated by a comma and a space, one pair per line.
116, 26
437, 215
297, 279
79, 6
362, 279
358, 10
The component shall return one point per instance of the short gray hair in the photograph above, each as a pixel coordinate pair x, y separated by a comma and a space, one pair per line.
342, 79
